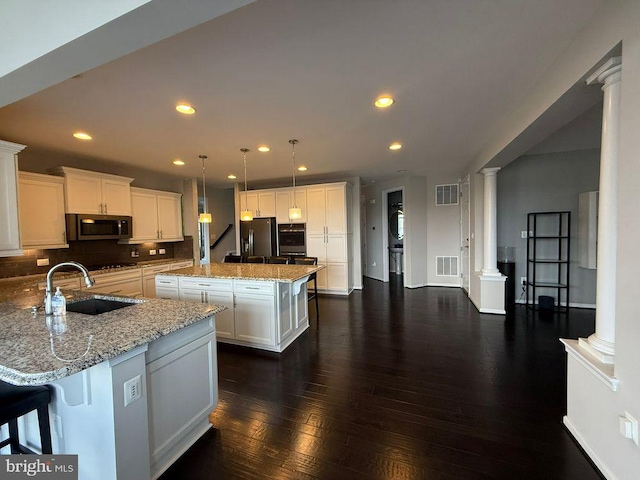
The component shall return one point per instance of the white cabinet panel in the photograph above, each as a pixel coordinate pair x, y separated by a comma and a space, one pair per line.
225, 324
250, 202
337, 276
144, 210
182, 390
336, 248
316, 247
119, 283
285, 200
254, 318
316, 211
9, 221
157, 216
336, 220
42, 222
266, 204
95, 193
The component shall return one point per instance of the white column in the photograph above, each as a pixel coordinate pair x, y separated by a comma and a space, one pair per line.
490, 263
603, 340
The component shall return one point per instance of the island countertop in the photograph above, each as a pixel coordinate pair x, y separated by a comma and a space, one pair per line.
35, 350
249, 271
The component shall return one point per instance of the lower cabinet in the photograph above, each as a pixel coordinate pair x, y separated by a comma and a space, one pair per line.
128, 282
260, 314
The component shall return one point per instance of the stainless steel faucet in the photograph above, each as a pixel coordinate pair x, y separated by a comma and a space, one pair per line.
47, 295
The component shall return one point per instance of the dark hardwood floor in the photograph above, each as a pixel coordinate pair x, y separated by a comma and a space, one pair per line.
398, 384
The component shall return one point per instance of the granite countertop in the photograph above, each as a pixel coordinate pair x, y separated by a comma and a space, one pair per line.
36, 349
248, 271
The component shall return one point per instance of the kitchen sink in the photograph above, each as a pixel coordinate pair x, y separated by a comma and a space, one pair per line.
96, 306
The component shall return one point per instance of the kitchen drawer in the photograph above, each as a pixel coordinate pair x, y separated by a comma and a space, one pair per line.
260, 288
223, 285
63, 283
179, 265
154, 269
128, 274
164, 281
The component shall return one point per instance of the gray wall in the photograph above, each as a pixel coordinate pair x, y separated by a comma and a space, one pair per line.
221, 206
547, 182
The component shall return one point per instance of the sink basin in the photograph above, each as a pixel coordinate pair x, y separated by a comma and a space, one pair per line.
96, 306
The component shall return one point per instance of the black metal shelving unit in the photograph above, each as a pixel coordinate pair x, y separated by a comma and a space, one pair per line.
548, 258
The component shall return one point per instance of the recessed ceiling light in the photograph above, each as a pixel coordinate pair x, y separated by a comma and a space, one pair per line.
82, 136
395, 146
263, 148
302, 168
384, 101
178, 162
186, 109
231, 177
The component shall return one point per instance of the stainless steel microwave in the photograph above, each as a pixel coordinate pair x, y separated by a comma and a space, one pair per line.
98, 227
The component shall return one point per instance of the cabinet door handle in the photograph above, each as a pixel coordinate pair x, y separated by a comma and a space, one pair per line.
201, 297
204, 285
160, 233
115, 291
64, 237
206, 297
157, 233
105, 209
252, 288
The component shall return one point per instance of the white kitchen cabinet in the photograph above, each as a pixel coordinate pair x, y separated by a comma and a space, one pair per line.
9, 219
285, 200
149, 273
181, 264
157, 216
94, 192
214, 292
255, 318
262, 203
127, 282
328, 235
167, 288
182, 384
42, 221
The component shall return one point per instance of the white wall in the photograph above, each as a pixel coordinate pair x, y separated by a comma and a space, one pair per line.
221, 207
443, 232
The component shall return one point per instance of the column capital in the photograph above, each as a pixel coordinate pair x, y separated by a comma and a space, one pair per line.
487, 172
605, 72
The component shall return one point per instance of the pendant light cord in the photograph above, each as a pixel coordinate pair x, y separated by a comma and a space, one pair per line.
293, 160
204, 185
244, 161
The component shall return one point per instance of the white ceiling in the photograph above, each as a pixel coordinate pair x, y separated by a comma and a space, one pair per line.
280, 69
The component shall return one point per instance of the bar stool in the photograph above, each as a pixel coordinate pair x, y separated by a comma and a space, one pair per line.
232, 259
254, 259
278, 260
18, 401
312, 278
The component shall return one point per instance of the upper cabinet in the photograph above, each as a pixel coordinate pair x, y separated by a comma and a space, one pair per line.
327, 209
157, 216
42, 223
95, 193
9, 221
262, 203
285, 199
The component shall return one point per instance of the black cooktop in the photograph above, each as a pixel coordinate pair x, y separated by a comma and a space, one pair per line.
106, 266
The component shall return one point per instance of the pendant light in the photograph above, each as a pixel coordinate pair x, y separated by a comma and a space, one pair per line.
245, 215
295, 213
204, 217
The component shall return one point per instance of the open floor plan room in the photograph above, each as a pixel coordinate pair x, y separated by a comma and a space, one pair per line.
398, 383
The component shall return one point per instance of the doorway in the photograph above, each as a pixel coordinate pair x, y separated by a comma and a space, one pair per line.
393, 221
465, 233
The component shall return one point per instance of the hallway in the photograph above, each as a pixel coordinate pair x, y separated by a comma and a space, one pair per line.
398, 384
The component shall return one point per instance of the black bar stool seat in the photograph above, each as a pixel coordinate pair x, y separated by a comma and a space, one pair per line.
18, 401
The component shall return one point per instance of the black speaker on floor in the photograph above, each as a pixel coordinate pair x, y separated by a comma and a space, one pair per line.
546, 303
508, 269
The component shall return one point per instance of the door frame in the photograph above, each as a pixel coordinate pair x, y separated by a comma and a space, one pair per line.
385, 228
465, 233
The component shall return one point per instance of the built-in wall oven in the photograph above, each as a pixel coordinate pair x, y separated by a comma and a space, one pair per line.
291, 239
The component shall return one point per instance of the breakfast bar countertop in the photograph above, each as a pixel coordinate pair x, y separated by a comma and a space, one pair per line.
36, 349
249, 271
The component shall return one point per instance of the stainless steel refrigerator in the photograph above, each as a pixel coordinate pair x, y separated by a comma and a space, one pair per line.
259, 237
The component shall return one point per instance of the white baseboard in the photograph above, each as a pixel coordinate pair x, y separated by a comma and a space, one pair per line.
495, 311
419, 285
443, 285
608, 474
571, 304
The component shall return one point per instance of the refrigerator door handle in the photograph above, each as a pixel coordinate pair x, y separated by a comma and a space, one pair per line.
251, 245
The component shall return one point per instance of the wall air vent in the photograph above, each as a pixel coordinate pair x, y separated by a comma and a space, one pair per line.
447, 266
447, 194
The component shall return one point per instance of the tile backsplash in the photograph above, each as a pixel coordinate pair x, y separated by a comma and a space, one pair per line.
94, 252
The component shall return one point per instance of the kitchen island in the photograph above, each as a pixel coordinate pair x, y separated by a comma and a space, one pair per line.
266, 304
132, 387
